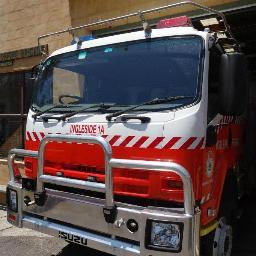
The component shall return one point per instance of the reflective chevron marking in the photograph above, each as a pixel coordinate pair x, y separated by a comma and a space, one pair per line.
139, 141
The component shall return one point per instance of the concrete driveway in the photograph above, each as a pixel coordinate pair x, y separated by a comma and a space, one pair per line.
24, 242
14, 241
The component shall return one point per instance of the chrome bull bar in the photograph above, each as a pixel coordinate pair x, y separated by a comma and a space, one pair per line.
110, 163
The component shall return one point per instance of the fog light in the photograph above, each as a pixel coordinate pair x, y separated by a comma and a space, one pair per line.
12, 200
132, 225
165, 236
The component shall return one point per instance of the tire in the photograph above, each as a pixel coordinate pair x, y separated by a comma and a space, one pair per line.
218, 242
229, 200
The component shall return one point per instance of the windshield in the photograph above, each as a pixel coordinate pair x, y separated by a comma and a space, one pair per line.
123, 74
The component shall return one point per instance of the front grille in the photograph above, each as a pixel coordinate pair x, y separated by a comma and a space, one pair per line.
132, 189
144, 202
140, 184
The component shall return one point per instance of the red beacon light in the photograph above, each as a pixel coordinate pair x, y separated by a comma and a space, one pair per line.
182, 21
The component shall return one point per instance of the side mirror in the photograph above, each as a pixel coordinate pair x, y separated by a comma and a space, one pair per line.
211, 136
233, 84
35, 71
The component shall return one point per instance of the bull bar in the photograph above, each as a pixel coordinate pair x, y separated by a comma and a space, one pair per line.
110, 207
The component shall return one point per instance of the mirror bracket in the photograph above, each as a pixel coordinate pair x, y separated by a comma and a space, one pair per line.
211, 136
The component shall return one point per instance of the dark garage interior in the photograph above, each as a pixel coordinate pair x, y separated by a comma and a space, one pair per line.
243, 26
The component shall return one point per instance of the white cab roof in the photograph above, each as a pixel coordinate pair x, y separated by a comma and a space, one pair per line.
132, 36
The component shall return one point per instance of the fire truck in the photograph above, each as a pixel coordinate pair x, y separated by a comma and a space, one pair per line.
134, 141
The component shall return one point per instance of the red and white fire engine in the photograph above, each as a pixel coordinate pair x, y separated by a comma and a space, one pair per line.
133, 141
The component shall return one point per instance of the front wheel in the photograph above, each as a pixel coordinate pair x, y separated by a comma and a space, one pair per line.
218, 242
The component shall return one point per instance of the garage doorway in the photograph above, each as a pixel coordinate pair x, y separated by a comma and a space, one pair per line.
15, 95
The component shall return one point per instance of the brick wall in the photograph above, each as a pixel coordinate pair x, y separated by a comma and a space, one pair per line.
86, 11
23, 21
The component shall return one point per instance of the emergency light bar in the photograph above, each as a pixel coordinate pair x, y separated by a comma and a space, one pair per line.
182, 21
141, 14
82, 39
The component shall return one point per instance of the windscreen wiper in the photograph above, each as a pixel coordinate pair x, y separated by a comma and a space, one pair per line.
48, 109
67, 115
100, 106
151, 102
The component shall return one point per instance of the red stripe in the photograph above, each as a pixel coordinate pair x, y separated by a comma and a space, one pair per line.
104, 136
42, 134
114, 139
29, 136
188, 143
126, 141
155, 142
200, 144
171, 142
35, 135
140, 141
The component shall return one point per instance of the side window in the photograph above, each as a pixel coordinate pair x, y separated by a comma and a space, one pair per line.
213, 86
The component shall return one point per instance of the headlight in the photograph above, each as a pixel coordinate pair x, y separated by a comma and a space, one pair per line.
12, 200
165, 236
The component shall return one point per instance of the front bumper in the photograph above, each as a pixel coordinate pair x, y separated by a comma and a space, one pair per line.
80, 219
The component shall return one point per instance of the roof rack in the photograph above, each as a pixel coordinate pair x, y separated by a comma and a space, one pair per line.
141, 14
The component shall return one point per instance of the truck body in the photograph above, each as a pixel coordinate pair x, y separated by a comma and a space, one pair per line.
129, 143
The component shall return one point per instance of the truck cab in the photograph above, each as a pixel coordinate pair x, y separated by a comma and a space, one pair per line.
161, 79
129, 141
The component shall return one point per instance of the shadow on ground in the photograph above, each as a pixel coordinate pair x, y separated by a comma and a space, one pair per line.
245, 232
77, 250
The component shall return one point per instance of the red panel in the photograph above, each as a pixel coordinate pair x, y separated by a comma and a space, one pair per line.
82, 161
